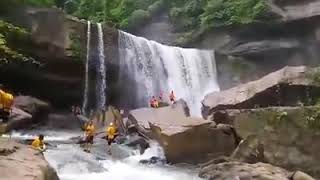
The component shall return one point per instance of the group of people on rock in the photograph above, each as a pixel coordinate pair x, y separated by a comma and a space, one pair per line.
154, 102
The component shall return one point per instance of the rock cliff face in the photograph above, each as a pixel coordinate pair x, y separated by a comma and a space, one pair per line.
52, 42
248, 52
21, 162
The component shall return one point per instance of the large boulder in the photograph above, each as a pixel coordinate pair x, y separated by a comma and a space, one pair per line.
183, 138
18, 119
289, 86
22, 162
36, 107
283, 136
244, 171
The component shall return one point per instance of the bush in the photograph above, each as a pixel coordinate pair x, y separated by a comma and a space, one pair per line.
227, 12
156, 7
138, 18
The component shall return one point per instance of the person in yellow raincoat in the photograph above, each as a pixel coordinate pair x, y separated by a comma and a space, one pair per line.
89, 133
38, 143
111, 134
6, 101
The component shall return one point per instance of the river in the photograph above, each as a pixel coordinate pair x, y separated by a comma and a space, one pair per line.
72, 163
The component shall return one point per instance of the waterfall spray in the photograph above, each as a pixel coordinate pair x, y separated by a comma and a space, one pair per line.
86, 79
155, 68
101, 98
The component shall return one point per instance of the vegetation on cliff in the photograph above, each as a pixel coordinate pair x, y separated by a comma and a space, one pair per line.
9, 35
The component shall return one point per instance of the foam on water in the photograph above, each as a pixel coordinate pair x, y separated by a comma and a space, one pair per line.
72, 163
49, 135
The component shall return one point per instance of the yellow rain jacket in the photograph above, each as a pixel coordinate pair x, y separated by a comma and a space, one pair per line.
6, 100
90, 130
111, 132
38, 144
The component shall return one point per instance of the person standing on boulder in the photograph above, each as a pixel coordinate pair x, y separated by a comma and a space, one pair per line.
89, 133
38, 143
172, 97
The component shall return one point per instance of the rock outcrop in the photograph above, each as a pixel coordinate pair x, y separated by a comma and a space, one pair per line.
248, 52
289, 86
183, 138
283, 136
244, 171
18, 119
22, 162
36, 107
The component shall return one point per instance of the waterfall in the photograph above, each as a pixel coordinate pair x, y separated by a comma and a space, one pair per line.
86, 78
101, 95
151, 68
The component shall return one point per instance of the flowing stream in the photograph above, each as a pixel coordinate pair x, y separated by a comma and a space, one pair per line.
154, 68
72, 163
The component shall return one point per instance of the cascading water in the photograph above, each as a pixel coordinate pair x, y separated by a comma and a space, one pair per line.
86, 78
155, 68
101, 77
71, 163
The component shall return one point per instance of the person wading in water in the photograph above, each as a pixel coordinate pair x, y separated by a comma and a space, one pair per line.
89, 136
111, 134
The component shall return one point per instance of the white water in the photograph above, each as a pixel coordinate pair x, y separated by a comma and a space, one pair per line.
101, 98
86, 78
72, 163
155, 68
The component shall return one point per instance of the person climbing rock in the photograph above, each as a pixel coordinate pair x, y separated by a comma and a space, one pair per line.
89, 135
38, 143
6, 102
172, 97
111, 134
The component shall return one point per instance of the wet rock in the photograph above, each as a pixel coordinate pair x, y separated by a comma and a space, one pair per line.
153, 160
137, 142
289, 86
22, 162
243, 171
183, 138
36, 107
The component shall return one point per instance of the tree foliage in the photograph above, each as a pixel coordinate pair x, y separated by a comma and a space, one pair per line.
8, 35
